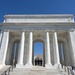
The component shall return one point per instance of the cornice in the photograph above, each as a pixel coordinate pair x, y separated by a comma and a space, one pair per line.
38, 16
36, 24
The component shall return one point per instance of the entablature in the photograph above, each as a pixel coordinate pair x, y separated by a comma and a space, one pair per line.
38, 18
39, 26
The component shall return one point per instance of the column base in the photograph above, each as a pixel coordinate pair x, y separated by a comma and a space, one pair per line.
58, 66
48, 65
28, 65
19, 65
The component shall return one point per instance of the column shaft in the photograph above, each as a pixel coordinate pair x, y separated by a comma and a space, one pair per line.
30, 47
72, 46
4, 47
21, 48
56, 49
48, 48
48, 56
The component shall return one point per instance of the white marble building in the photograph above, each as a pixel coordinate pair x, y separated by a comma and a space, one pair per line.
19, 32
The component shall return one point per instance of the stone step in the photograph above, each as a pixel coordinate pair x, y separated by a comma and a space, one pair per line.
38, 70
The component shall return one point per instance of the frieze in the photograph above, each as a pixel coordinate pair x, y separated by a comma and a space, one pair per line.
38, 27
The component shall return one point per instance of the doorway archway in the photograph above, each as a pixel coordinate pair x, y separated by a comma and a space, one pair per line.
38, 53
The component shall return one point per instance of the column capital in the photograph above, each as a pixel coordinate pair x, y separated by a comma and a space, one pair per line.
30, 31
5, 30
54, 31
72, 30
47, 31
22, 32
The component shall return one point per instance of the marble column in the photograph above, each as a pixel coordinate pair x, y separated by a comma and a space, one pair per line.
0, 39
72, 46
21, 54
48, 56
56, 49
4, 47
29, 61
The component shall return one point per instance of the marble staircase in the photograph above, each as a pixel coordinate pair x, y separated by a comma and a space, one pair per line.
38, 70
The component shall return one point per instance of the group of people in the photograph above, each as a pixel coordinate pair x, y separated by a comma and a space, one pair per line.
38, 62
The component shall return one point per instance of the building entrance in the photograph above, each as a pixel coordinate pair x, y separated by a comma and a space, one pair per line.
38, 53
38, 61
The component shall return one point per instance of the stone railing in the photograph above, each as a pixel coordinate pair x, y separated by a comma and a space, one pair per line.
69, 70
6, 70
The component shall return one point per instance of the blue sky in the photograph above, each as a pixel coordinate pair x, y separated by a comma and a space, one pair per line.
38, 48
36, 7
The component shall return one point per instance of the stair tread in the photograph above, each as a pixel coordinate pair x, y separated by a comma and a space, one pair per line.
36, 71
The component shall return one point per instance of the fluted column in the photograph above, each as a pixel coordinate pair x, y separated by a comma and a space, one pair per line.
48, 56
20, 61
56, 49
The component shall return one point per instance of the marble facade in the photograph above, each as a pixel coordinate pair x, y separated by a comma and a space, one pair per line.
19, 32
